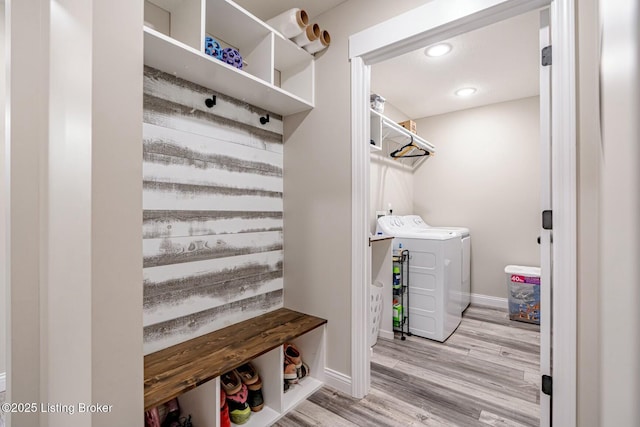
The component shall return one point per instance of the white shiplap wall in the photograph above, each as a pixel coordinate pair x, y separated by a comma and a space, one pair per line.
212, 222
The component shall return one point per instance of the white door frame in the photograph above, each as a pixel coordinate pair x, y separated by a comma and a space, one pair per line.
437, 21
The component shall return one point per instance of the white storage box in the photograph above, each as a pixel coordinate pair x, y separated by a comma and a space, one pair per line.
523, 284
377, 103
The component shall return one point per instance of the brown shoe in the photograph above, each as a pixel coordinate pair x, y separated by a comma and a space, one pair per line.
230, 382
247, 373
290, 373
292, 355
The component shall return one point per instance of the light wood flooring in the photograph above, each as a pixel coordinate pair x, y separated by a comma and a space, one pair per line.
485, 374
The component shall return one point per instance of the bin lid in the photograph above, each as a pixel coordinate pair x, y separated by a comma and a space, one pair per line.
522, 270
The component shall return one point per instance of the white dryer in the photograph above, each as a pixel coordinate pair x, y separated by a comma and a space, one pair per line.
434, 276
417, 223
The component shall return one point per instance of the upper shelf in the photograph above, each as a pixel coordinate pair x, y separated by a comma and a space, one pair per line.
173, 57
383, 129
276, 74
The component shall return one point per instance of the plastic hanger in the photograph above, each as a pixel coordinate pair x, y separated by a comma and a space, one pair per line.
402, 152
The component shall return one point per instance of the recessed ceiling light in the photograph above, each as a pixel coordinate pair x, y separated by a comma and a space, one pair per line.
438, 49
466, 91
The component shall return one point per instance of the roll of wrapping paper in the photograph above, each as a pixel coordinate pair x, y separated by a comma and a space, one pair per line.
320, 43
290, 23
310, 34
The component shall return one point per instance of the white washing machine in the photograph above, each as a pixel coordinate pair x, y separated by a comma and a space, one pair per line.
417, 223
434, 276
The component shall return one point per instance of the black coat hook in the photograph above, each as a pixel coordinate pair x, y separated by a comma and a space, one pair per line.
264, 119
210, 102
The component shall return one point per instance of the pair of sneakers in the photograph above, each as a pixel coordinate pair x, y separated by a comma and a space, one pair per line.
243, 392
294, 368
167, 415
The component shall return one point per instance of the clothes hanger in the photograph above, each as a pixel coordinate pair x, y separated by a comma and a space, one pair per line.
402, 152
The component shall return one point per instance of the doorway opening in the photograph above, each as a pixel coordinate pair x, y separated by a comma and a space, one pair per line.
427, 25
484, 176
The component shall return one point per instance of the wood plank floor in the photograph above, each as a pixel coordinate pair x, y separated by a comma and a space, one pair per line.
485, 374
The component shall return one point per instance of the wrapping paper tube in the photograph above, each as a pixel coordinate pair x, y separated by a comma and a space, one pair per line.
320, 43
311, 33
290, 23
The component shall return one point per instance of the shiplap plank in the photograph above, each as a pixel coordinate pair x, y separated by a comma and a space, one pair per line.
163, 113
173, 89
170, 170
165, 251
225, 154
166, 334
156, 276
177, 304
166, 196
178, 223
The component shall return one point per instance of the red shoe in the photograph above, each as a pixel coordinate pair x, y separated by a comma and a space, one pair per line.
225, 421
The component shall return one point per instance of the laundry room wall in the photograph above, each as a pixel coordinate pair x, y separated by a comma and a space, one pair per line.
485, 176
391, 183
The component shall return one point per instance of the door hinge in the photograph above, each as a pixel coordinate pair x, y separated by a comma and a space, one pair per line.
547, 384
546, 56
547, 220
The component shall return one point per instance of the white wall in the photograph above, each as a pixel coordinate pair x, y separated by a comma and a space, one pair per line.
75, 210
390, 182
589, 193
3, 206
317, 183
485, 176
620, 214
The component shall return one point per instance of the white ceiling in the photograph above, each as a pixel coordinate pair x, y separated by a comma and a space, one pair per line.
501, 61
266, 10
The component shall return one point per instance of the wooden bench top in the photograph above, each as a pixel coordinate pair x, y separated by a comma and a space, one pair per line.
170, 372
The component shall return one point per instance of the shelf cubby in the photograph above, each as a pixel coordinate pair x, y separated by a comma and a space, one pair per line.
179, 19
277, 75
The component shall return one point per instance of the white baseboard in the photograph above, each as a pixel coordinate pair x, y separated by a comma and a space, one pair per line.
338, 380
3, 381
489, 301
385, 334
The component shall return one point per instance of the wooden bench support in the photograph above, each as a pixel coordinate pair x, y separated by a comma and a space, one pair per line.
170, 372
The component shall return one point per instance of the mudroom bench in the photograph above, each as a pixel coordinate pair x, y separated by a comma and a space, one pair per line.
191, 370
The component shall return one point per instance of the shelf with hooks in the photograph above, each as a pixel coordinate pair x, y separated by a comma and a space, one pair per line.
391, 139
275, 73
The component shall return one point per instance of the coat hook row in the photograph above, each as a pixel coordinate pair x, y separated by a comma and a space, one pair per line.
210, 102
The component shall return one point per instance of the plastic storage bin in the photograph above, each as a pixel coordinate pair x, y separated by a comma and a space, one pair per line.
523, 284
375, 307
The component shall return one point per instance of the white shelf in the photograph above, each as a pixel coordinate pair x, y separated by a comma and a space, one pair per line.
386, 131
203, 402
176, 58
265, 417
299, 392
277, 75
